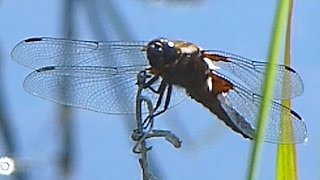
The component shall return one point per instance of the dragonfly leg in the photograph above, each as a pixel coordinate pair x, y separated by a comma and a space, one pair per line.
160, 91
150, 82
162, 88
167, 101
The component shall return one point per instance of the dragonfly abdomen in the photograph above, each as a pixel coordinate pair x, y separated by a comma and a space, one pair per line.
209, 100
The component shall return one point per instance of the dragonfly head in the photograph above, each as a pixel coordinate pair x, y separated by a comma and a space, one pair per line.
161, 52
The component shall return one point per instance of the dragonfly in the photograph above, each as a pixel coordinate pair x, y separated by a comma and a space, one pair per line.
101, 76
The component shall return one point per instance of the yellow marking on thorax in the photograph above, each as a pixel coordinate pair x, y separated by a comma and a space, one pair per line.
186, 47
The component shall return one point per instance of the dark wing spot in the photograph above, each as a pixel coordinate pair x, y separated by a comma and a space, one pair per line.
290, 69
295, 114
47, 68
33, 39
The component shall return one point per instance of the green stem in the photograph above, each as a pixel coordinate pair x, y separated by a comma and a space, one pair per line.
274, 52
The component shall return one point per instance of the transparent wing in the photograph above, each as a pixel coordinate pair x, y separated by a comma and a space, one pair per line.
99, 76
288, 83
41, 52
242, 105
102, 89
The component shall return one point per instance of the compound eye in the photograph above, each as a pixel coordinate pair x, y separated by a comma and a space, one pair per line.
169, 52
155, 54
155, 49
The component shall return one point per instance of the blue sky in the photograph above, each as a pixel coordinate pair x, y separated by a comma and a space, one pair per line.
209, 149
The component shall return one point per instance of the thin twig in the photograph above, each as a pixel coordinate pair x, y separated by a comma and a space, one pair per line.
141, 141
141, 133
168, 135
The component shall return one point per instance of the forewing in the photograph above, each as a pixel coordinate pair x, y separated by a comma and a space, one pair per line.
288, 83
41, 52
